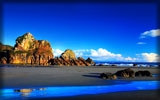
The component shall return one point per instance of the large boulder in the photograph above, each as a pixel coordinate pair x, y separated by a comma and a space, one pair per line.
126, 73
90, 61
68, 55
143, 73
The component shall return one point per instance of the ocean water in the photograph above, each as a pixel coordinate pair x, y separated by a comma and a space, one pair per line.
65, 91
144, 64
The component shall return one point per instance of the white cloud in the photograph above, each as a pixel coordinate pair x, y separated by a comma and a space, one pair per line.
141, 43
148, 57
104, 53
151, 33
57, 52
81, 52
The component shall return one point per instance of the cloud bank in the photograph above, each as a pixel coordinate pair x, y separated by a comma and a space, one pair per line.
151, 33
105, 55
149, 57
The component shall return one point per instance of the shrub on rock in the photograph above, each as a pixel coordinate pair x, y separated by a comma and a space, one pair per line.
108, 76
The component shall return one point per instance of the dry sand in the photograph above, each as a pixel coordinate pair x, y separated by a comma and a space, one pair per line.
21, 77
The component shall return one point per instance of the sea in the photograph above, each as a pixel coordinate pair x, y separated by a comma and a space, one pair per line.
144, 64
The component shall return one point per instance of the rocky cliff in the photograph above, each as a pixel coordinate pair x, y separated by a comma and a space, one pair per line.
28, 50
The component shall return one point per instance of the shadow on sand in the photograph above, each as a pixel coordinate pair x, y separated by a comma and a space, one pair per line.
94, 75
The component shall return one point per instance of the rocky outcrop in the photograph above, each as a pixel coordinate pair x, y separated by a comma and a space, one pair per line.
28, 50
126, 73
68, 58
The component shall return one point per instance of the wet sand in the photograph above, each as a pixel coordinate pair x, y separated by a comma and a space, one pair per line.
131, 95
27, 77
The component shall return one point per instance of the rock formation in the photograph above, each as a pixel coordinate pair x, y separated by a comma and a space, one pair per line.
28, 50
68, 58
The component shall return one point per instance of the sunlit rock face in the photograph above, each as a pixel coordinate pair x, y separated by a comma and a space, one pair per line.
68, 55
25, 42
68, 58
28, 50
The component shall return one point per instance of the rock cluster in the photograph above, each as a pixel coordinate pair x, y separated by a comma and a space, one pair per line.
68, 58
127, 73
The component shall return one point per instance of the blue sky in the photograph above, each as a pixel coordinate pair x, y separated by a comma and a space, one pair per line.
111, 28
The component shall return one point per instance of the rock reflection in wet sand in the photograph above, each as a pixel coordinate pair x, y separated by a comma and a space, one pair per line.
26, 92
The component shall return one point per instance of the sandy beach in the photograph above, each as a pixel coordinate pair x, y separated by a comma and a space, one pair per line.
62, 76
26, 77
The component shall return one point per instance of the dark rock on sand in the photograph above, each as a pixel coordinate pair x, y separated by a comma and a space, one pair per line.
108, 76
126, 73
143, 73
135, 65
